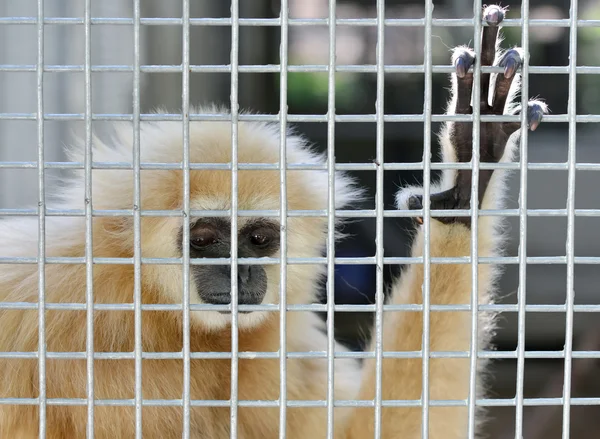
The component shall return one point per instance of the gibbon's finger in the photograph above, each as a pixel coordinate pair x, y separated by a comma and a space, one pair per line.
535, 113
441, 201
416, 203
493, 16
463, 59
511, 61
456, 198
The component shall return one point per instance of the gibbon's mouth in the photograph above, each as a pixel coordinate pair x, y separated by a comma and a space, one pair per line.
224, 298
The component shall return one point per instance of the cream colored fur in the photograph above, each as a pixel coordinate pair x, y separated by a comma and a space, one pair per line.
259, 332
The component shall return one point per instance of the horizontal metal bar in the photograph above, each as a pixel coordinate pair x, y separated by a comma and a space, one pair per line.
276, 68
545, 260
346, 118
301, 166
300, 213
313, 307
508, 402
359, 355
402, 22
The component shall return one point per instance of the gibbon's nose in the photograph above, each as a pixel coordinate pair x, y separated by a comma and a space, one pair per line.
244, 274
214, 284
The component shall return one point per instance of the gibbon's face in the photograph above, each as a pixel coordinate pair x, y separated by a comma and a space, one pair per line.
210, 236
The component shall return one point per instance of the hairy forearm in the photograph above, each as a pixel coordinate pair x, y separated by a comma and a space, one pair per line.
450, 284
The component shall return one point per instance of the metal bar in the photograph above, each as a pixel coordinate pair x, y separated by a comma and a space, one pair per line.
379, 296
89, 250
342, 118
522, 291
506, 402
477, 28
185, 114
570, 243
427, 110
283, 106
235, 49
41, 211
292, 166
137, 220
315, 307
302, 213
361, 355
504, 355
276, 22
276, 68
331, 221
542, 260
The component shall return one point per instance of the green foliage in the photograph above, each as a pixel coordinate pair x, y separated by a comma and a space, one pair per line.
308, 90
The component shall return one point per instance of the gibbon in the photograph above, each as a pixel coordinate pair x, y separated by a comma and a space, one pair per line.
161, 237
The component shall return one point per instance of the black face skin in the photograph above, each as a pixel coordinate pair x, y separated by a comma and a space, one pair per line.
211, 238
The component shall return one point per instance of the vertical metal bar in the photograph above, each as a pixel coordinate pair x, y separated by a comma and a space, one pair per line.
283, 221
235, 41
137, 238
477, 10
570, 250
41, 223
185, 110
522, 298
89, 268
379, 297
427, 109
331, 221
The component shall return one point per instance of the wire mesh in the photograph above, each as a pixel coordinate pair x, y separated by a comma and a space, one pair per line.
379, 260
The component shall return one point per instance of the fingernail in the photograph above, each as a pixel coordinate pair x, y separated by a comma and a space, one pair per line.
461, 67
494, 15
535, 120
414, 203
510, 67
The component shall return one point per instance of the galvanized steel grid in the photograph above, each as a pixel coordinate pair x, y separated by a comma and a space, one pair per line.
380, 68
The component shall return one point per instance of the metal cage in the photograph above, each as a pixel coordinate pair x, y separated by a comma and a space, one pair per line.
46, 29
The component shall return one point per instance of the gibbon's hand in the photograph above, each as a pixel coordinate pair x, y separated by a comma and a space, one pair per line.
493, 135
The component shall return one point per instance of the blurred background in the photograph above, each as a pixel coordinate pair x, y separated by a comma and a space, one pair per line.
112, 45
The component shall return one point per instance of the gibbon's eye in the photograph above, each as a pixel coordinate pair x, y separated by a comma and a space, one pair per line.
261, 236
203, 238
260, 239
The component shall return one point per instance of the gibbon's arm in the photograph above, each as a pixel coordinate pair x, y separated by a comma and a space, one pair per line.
450, 284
